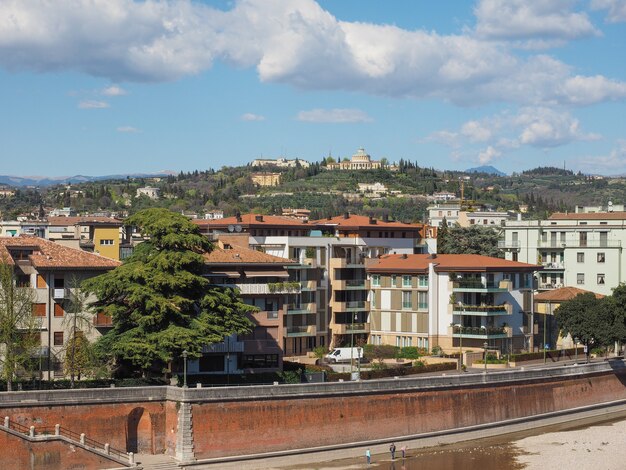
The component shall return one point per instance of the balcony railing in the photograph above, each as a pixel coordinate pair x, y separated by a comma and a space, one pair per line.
304, 308
579, 244
550, 285
355, 283
304, 330
509, 244
548, 265
481, 331
465, 309
225, 346
349, 328
477, 284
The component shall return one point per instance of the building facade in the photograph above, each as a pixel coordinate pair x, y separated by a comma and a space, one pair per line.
451, 301
361, 160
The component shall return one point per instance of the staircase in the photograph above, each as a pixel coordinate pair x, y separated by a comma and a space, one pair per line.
156, 462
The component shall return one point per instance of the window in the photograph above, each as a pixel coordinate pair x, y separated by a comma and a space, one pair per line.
393, 280
580, 278
58, 310
260, 361
373, 299
39, 310
58, 338
106, 242
582, 237
422, 301
600, 278
580, 257
406, 300
22, 280
600, 257
422, 281
376, 280
406, 281
212, 363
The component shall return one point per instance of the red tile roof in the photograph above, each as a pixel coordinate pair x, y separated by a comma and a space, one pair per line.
359, 221
563, 294
241, 255
473, 263
63, 221
51, 255
251, 220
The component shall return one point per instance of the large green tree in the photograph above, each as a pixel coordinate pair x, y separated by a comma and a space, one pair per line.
472, 240
158, 299
587, 318
19, 328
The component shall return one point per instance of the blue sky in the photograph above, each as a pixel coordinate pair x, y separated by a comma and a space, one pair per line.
100, 87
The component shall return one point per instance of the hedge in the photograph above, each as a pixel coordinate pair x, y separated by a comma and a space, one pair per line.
552, 354
393, 372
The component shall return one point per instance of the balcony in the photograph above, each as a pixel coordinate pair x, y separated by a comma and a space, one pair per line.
552, 244
550, 285
553, 266
296, 331
223, 347
308, 285
61, 293
482, 310
476, 285
350, 284
509, 245
480, 332
340, 263
349, 328
268, 288
579, 244
351, 306
301, 309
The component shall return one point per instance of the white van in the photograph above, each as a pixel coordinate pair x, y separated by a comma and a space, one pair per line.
344, 354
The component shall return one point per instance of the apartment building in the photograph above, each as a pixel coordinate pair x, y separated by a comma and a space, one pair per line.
581, 250
339, 247
53, 270
287, 320
100, 235
451, 301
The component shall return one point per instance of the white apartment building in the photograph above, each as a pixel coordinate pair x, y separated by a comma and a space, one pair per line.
581, 250
444, 210
451, 301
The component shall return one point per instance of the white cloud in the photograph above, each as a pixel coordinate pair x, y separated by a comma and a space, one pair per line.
334, 116
252, 117
475, 131
531, 20
114, 90
616, 9
544, 127
299, 43
93, 104
489, 154
128, 129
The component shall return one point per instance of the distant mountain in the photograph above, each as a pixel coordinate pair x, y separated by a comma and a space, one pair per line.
21, 181
486, 169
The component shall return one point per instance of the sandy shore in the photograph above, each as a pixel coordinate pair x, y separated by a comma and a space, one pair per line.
601, 447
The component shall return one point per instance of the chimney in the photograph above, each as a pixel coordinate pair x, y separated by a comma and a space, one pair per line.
405, 256
238, 216
372, 220
346, 215
385, 217
433, 256
258, 218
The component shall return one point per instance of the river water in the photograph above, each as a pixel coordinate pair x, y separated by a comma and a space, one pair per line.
504, 453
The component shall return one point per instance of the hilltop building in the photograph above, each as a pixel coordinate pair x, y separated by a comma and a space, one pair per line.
266, 179
361, 160
281, 162
149, 191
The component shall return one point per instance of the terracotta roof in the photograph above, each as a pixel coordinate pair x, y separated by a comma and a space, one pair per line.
364, 221
51, 255
474, 263
563, 294
251, 219
241, 255
591, 216
62, 221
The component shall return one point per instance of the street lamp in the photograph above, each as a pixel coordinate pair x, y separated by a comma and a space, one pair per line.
461, 311
485, 344
185, 353
352, 345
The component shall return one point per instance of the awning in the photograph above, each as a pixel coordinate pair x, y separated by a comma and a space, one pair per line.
266, 273
231, 274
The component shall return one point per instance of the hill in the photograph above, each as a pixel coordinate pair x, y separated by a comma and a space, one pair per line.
487, 169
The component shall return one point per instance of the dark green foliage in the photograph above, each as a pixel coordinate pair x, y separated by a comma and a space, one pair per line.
472, 240
159, 302
587, 318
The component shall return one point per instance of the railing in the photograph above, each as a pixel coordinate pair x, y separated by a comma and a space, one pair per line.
68, 435
550, 285
553, 265
304, 330
478, 284
355, 304
355, 283
224, 346
509, 244
579, 244
272, 314
462, 309
479, 330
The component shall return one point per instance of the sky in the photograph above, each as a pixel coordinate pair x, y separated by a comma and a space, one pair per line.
99, 87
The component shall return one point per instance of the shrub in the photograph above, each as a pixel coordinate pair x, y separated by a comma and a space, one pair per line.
437, 351
409, 352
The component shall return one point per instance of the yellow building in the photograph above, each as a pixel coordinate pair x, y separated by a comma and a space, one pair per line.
266, 179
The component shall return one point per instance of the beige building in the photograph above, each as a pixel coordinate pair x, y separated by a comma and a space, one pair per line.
266, 179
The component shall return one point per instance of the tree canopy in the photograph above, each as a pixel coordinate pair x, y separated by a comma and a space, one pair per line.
158, 300
472, 240
580, 317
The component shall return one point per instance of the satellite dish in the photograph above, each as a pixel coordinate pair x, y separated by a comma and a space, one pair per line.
238, 228
231, 228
